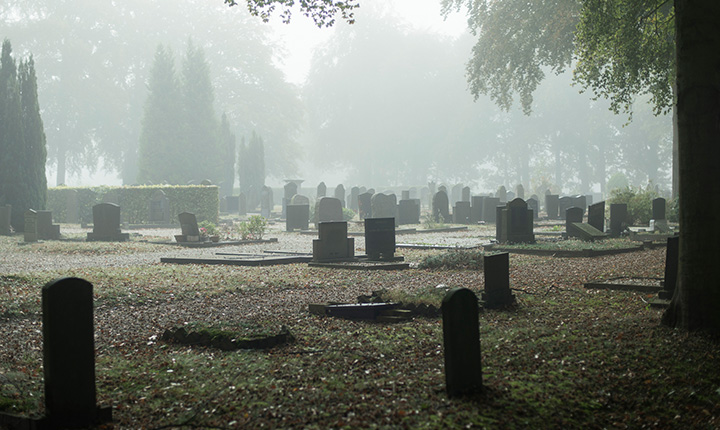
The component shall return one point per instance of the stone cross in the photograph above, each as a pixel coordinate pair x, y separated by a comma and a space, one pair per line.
461, 342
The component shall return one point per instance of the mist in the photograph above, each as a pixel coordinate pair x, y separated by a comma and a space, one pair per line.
381, 103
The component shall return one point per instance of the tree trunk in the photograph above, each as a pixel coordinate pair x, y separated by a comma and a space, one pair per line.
696, 303
674, 173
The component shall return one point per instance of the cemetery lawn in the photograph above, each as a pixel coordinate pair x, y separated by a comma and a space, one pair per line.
564, 357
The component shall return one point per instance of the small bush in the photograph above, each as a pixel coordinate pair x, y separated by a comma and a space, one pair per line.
429, 222
638, 201
454, 259
348, 214
210, 228
253, 228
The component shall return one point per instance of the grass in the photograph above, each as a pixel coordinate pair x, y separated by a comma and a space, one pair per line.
573, 245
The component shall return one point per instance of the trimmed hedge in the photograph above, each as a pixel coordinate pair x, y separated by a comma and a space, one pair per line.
202, 200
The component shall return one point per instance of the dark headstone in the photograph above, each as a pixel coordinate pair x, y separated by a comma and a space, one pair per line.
461, 212
519, 222
658, 208
440, 207
564, 203
46, 230
461, 342
490, 205
5, 213
69, 353
580, 202
106, 224
189, 227
465, 194
584, 232
409, 212
552, 205
158, 208
501, 224
365, 205
596, 215
534, 206
618, 219
572, 215
297, 217
497, 281
332, 242
380, 238
476, 209
672, 258
30, 231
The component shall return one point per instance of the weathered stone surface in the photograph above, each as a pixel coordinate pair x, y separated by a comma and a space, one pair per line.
461, 342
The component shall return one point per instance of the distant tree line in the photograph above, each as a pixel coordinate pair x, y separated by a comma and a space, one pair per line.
22, 138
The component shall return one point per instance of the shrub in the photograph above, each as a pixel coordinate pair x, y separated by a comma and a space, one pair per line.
210, 228
253, 228
638, 201
454, 259
429, 222
348, 214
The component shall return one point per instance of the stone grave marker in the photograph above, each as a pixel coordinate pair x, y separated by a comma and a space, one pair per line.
564, 203
573, 214
365, 205
518, 219
465, 194
189, 227
232, 204
461, 342
384, 205
584, 232
266, 201
72, 207
30, 230
658, 221
502, 194
440, 207
490, 205
509, 196
158, 208
596, 215
497, 292
332, 242
297, 217
106, 224
5, 213
476, 209
534, 205
289, 190
672, 257
328, 209
340, 194
408, 212
520, 192
552, 205
618, 219
69, 354
501, 223
580, 202
321, 190
354, 193
46, 230
405, 195
242, 204
456, 194
461, 212
380, 238
299, 199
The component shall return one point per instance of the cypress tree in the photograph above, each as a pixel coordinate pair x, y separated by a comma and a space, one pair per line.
34, 133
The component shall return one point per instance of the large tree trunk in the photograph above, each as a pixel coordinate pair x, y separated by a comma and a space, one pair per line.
696, 303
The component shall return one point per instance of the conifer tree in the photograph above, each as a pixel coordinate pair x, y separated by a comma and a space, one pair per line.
34, 133
251, 169
227, 146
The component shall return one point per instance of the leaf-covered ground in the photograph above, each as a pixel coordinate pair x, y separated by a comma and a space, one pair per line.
564, 357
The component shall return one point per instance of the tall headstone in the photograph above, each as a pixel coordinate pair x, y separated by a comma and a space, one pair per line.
72, 207
5, 212
69, 353
106, 224
332, 242
658, 208
328, 209
242, 204
409, 211
552, 205
461, 212
618, 219
672, 258
266, 202
297, 216
321, 190
354, 193
573, 214
465, 197
365, 205
456, 194
534, 205
518, 219
380, 238
490, 205
502, 194
520, 192
476, 209
596, 215
289, 190
440, 207
564, 202
461, 342
340, 194
384, 205
46, 230
30, 230
497, 292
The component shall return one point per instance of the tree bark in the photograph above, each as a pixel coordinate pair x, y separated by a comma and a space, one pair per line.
696, 303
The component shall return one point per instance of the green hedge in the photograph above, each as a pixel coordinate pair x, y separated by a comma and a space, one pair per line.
201, 200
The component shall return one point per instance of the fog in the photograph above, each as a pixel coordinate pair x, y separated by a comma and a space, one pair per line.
380, 103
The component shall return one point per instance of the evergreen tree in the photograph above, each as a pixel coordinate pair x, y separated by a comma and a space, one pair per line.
22, 139
227, 146
251, 169
161, 140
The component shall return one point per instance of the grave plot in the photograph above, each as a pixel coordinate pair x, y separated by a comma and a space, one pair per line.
269, 258
226, 340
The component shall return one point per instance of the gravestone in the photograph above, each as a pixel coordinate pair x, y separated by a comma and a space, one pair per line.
354, 193
596, 215
332, 242
509, 196
413, 193
297, 216
266, 202
552, 205
69, 355
502, 194
658, 208
618, 219
409, 212
564, 203
497, 292
490, 205
580, 202
572, 214
72, 207
518, 219
476, 209
189, 227
584, 232
461, 212
533, 205
106, 224
465, 195
520, 192
461, 342
289, 190
380, 238
158, 208
365, 205
46, 230
232, 205
456, 194
328, 209
501, 224
440, 207
340, 194
405, 195
5, 213
299, 199
30, 230
425, 197
672, 257
383, 205
321, 190
242, 204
